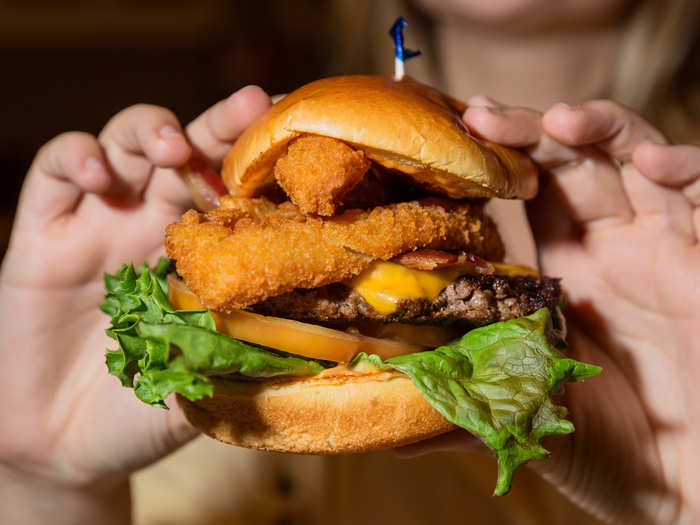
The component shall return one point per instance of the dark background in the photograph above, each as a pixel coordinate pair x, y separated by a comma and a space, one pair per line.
71, 65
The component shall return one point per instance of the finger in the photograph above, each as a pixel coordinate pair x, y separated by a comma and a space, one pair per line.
139, 138
481, 100
593, 191
674, 166
659, 206
661, 171
588, 182
618, 132
212, 133
516, 128
67, 166
509, 126
613, 128
166, 187
178, 429
455, 441
692, 193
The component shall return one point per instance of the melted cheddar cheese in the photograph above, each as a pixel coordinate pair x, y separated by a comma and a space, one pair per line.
385, 284
514, 269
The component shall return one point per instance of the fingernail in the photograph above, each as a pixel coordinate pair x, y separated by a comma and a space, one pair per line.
169, 131
94, 164
491, 109
568, 106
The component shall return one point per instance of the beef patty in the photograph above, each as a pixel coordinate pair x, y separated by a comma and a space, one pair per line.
474, 299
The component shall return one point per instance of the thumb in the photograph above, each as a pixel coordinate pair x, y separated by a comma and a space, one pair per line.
173, 430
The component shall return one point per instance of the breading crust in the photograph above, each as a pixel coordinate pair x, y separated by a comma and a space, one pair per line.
247, 251
316, 172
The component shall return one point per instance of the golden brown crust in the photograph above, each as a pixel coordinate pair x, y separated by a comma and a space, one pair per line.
327, 414
401, 125
245, 252
316, 172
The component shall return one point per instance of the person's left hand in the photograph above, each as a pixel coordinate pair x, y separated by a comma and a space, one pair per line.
618, 218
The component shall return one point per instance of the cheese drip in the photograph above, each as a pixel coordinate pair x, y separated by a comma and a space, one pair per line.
385, 284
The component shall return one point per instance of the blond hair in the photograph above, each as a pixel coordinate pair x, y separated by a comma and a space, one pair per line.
655, 76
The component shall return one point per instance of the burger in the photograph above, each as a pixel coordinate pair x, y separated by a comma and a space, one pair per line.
348, 293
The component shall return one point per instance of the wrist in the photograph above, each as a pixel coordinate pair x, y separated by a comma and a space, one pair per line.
30, 499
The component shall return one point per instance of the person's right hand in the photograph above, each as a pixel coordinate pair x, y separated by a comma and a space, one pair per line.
70, 433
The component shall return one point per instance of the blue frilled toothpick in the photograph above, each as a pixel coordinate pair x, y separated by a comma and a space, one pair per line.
401, 53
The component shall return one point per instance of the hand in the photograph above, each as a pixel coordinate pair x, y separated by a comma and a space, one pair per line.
618, 219
88, 205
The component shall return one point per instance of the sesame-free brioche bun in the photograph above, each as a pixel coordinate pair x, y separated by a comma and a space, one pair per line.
327, 414
402, 125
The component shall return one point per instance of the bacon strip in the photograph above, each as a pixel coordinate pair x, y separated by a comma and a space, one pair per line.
434, 259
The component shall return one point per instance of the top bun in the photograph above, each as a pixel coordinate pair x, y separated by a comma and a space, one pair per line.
402, 125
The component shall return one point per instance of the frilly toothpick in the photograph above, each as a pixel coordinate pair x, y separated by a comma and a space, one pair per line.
401, 53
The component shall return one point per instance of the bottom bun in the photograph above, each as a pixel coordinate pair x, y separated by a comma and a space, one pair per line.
333, 413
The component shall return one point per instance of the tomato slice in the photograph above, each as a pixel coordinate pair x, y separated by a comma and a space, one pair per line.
204, 183
295, 337
425, 336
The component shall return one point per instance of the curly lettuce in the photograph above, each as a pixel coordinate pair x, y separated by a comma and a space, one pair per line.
496, 381
162, 350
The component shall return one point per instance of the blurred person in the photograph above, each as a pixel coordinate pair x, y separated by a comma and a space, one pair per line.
536, 54
617, 219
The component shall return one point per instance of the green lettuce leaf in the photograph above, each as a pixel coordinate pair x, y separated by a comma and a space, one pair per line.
162, 350
497, 381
